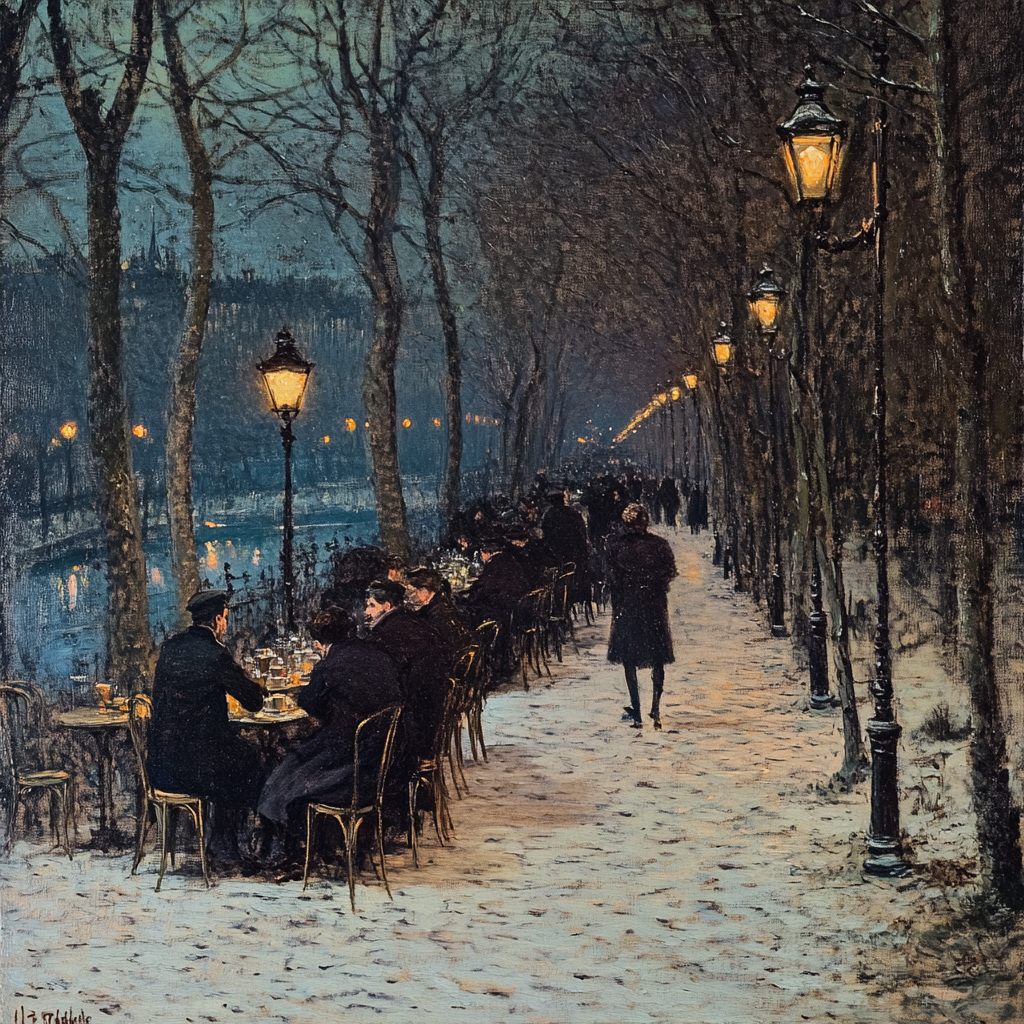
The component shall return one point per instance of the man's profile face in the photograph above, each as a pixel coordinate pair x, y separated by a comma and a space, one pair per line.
375, 609
420, 597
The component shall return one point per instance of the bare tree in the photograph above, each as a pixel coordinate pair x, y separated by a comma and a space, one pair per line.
102, 137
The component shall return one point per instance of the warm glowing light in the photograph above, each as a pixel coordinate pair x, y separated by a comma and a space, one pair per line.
156, 576
69, 430
327, 438
676, 393
72, 592
437, 422
812, 143
723, 352
285, 375
139, 430
407, 423
366, 425
350, 424
256, 556
690, 380
125, 264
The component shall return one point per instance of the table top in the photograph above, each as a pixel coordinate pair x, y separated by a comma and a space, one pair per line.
270, 717
93, 718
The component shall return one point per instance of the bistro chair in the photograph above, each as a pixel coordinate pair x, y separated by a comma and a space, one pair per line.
529, 634
163, 804
374, 748
22, 714
560, 613
465, 674
429, 775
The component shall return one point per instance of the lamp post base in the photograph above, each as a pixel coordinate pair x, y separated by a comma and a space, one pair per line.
886, 864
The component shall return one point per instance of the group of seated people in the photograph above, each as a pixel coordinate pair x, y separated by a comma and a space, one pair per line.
397, 644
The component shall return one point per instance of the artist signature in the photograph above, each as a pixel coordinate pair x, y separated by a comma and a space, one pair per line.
23, 1016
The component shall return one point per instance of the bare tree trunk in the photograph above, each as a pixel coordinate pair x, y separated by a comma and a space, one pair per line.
450, 490
386, 294
13, 30
182, 410
129, 646
983, 129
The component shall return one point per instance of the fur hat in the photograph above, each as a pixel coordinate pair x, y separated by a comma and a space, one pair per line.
635, 517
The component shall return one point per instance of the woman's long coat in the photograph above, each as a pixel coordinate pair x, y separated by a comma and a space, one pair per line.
641, 568
355, 680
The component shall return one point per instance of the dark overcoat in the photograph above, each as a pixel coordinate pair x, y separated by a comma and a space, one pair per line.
418, 654
503, 583
354, 680
192, 747
641, 567
452, 629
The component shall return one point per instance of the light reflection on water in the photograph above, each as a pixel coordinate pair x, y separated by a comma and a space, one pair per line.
60, 603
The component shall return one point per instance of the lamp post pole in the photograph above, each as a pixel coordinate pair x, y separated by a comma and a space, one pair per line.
288, 538
765, 301
883, 840
285, 375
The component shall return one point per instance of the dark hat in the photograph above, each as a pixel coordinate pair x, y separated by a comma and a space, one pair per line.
207, 604
426, 578
556, 493
492, 544
387, 591
517, 532
332, 625
635, 517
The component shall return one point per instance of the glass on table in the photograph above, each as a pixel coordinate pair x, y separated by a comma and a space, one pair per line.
103, 692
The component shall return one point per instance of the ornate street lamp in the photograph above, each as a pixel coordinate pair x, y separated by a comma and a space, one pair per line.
285, 375
812, 143
766, 299
722, 348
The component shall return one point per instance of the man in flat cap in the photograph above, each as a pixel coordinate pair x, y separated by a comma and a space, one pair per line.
192, 748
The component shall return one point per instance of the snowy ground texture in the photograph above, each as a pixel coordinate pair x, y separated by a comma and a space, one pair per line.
700, 875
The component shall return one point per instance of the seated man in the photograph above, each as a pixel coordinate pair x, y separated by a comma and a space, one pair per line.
503, 583
428, 596
192, 748
418, 653
353, 680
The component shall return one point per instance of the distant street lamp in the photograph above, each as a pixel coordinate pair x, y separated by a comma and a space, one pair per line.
69, 431
766, 299
285, 375
721, 348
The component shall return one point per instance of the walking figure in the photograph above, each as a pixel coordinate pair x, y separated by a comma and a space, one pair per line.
641, 568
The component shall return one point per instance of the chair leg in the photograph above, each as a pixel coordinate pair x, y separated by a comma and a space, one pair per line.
202, 843
380, 851
65, 808
172, 831
414, 787
350, 849
162, 814
141, 832
310, 828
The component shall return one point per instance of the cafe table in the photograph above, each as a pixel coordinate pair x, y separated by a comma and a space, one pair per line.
101, 723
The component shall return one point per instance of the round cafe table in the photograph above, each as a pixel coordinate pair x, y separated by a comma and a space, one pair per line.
100, 724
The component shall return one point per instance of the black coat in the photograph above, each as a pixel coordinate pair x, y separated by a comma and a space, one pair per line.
503, 583
455, 635
355, 680
418, 653
641, 567
192, 747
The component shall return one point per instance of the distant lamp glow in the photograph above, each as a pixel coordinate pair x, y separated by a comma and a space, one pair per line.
812, 143
407, 423
722, 347
285, 375
676, 393
69, 430
139, 430
690, 380
766, 298
327, 439
350, 424
437, 421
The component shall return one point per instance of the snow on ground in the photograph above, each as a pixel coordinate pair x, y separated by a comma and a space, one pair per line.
702, 874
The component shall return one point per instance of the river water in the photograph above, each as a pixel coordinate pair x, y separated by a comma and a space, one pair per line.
60, 602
